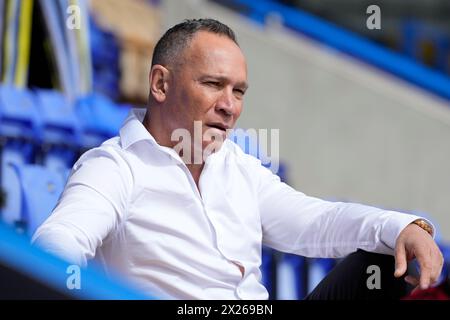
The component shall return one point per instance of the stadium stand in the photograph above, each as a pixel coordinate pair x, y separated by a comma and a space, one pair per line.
43, 131
37, 202
26, 272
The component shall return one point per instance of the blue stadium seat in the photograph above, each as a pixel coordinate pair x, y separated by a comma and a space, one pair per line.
61, 132
318, 268
11, 212
59, 159
292, 282
19, 128
18, 114
268, 270
40, 190
58, 119
65, 174
100, 118
13, 153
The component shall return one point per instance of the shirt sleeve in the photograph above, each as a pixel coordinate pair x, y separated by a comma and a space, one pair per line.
296, 223
90, 208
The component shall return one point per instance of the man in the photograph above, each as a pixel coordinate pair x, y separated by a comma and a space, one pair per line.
191, 227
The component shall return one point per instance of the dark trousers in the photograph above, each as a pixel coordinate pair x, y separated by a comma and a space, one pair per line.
353, 277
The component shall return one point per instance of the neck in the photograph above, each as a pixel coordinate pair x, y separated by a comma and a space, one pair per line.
196, 171
155, 125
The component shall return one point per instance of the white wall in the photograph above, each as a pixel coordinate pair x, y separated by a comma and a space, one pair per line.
347, 131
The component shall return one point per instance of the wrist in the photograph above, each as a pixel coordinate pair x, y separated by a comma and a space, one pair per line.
424, 225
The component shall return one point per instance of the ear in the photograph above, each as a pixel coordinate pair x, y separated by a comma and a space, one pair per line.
158, 78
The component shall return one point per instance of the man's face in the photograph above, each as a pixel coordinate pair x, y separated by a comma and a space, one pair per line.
208, 86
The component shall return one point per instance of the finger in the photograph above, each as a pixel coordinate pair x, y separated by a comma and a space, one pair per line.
425, 271
438, 263
434, 270
400, 261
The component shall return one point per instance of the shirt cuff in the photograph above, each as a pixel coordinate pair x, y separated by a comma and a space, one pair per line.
395, 224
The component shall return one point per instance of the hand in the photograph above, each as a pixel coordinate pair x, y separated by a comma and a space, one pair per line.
415, 242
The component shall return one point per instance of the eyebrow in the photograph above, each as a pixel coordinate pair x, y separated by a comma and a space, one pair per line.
241, 84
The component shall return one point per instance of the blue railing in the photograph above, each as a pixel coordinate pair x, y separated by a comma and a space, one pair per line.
18, 254
347, 42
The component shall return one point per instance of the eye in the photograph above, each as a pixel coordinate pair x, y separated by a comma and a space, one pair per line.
240, 92
215, 84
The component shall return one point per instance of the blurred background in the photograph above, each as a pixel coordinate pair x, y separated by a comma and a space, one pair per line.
363, 112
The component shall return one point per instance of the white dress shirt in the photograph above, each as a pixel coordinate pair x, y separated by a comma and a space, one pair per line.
133, 205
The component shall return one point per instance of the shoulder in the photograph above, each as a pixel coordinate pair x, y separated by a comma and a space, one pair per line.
107, 150
106, 162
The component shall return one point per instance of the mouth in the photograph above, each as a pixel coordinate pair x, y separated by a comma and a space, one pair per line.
218, 125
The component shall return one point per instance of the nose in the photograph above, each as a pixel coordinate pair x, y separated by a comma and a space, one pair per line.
225, 104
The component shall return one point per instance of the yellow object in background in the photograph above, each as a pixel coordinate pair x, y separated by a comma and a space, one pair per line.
24, 35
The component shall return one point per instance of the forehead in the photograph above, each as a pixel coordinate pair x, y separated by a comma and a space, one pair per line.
213, 53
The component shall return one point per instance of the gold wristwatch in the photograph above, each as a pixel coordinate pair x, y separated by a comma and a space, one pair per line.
424, 225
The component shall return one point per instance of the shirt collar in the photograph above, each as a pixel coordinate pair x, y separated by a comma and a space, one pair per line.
133, 130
